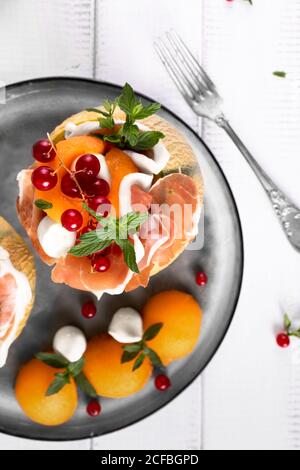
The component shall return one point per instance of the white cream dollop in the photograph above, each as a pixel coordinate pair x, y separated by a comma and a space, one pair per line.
55, 240
126, 326
70, 342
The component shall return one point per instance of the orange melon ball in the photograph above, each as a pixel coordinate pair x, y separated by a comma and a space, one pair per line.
32, 383
107, 374
181, 317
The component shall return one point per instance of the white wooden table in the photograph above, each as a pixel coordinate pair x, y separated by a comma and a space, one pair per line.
249, 396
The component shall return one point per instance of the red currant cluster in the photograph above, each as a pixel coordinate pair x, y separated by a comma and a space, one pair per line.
83, 183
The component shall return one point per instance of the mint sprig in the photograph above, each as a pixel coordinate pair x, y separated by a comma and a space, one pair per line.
288, 327
71, 369
112, 230
128, 135
139, 351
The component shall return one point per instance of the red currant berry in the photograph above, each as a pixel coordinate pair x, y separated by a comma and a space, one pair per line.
201, 278
162, 382
93, 408
116, 250
99, 187
89, 310
43, 152
101, 205
100, 263
71, 220
44, 178
89, 164
283, 340
69, 186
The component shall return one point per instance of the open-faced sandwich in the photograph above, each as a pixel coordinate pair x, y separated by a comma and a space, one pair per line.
114, 196
17, 286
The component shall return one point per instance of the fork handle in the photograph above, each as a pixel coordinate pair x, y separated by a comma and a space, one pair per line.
281, 204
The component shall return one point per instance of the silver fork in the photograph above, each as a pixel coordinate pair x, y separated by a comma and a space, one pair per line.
202, 96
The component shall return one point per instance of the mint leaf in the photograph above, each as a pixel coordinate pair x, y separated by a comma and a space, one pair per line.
147, 140
139, 362
96, 110
279, 74
153, 356
58, 383
152, 331
287, 323
85, 386
130, 133
75, 368
129, 223
107, 123
109, 106
52, 360
129, 356
42, 204
127, 101
88, 248
129, 254
136, 347
142, 112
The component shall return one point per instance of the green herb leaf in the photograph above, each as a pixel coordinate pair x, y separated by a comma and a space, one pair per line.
287, 323
147, 140
85, 386
95, 110
127, 101
279, 74
152, 331
139, 362
58, 383
136, 347
42, 204
132, 221
88, 248
130, 133
107, 122
153, 356
129, 356
75, 368
52, 359
129, 254
295, 333
142, 112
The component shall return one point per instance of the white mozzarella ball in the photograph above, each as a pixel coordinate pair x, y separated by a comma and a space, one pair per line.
126, 326
70, 342
55, 240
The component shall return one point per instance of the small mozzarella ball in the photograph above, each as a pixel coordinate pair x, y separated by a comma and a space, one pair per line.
70, 342
55, 240
126, 326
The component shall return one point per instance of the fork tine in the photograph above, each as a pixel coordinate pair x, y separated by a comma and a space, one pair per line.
186, 52
169, 65
179, 70
190, 68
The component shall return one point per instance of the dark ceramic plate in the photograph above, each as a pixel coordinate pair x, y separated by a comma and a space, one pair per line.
34, 108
